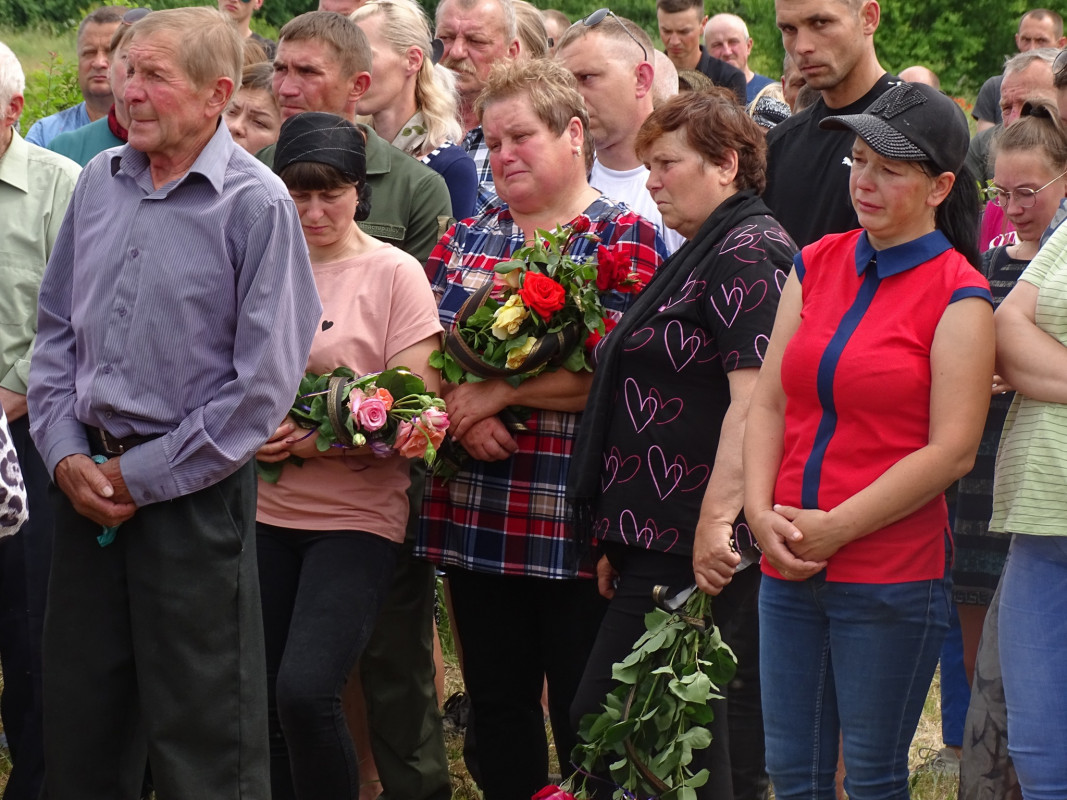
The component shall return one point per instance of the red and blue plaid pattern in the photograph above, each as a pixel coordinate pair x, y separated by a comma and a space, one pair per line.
511, 516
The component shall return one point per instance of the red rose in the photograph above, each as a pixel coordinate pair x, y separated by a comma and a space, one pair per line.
581, 225
552, 793
542, 294
612, 268
594, 337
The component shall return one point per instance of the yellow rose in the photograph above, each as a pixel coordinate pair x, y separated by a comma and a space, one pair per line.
517, 355
509, 318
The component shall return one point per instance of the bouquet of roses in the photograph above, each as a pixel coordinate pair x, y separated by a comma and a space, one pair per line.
389, 412
542, 311
657, 715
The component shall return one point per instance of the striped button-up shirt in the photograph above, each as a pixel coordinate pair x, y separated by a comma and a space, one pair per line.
184, 312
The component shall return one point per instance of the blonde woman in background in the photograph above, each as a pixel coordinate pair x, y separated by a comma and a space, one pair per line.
533, 35
413, 103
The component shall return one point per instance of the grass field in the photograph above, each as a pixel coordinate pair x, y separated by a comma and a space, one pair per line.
33, 46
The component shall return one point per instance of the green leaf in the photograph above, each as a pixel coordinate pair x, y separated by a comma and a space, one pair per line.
618, 732
698, 780
577, 360
453, 372
698, 738
700, 714
692, 689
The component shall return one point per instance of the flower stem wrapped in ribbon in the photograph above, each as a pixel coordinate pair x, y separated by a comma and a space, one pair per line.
390, 412
658, 714
541, 312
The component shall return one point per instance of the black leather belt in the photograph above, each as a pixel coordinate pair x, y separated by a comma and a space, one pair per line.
102, 443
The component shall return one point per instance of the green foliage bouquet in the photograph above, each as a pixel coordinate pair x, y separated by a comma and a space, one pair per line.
658, 714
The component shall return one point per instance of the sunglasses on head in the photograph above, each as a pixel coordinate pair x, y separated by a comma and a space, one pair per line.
601, 14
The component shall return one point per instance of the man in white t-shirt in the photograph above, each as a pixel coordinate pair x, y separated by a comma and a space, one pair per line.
611, 62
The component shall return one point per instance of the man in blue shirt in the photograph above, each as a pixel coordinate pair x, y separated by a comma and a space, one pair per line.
174, 323
94, 44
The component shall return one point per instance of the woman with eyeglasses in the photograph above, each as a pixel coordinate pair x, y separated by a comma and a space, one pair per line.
1029, 501
1029, 162
870, 403
1029, 165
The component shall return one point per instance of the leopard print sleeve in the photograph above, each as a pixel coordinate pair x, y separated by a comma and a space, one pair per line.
13, 511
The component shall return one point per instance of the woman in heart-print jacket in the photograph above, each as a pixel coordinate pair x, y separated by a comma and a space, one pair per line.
657, 475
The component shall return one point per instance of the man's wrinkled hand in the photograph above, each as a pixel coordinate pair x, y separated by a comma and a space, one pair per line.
92, 493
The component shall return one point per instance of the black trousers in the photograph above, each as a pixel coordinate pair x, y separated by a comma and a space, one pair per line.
639, 571
397, 671
516, 632
153, 646
321, 594
24, 563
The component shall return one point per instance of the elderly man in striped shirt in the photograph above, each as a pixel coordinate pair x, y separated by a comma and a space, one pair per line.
175, 318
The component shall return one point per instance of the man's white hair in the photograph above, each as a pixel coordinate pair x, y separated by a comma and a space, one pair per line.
736, 20
12, 78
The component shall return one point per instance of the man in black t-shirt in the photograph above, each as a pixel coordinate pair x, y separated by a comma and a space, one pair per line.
681, 23
832, 44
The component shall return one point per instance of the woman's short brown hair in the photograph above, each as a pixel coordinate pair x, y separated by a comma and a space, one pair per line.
714, 123
550, 91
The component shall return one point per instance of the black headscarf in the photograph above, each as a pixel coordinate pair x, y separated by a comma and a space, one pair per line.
326, 139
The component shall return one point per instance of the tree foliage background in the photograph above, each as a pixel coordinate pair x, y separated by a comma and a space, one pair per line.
963, 42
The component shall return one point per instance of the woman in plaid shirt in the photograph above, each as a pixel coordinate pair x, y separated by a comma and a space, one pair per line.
524, 603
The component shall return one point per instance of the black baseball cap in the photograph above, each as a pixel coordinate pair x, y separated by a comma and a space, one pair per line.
911, 122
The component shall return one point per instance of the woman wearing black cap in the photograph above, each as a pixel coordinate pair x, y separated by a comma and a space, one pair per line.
871, 402
329, 531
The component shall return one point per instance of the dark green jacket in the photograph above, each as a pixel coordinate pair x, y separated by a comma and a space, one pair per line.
409, 205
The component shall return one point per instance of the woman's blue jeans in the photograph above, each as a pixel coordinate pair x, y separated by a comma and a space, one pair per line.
848, 660
1033, 661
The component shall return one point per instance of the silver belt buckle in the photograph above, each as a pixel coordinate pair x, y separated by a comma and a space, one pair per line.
112, 446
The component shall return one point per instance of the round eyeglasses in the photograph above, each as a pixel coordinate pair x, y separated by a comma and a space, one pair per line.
1024, 197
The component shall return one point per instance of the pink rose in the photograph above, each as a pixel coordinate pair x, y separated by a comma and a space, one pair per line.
372, 414
355, 399
385, 397
435, 419
410, 442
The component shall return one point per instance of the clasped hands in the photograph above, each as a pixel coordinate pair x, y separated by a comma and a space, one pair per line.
472, 410
97, 491
798, 542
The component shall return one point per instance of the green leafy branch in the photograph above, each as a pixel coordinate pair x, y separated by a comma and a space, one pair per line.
657, 716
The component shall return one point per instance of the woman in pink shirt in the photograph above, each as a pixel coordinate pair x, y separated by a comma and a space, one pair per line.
328, 531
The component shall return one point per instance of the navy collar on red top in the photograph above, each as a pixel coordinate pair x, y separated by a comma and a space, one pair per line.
901, 257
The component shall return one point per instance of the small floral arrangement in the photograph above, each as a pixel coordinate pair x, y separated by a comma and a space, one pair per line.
543, 311
390, 412
658, 714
